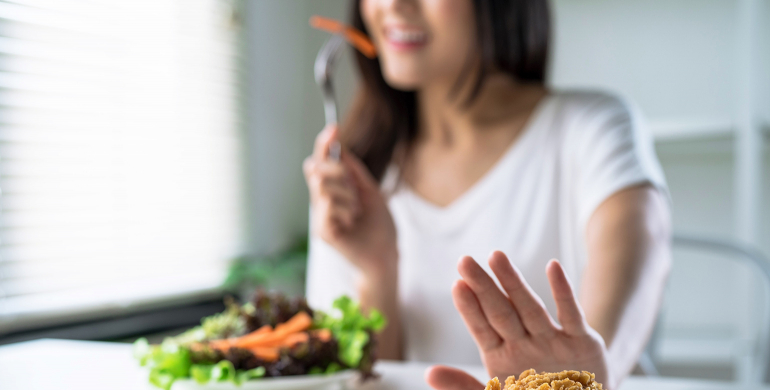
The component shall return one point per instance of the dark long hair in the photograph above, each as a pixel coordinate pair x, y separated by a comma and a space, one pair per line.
513, 37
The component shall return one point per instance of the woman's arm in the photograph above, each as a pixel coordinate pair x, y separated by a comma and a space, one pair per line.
628, 242
349, 212
381, 292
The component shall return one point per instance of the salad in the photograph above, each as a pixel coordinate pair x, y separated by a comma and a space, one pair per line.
271, 336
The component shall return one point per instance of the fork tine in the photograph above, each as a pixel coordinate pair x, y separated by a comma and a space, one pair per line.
327, 47
321, 61
323, 69
337, 43
326, 57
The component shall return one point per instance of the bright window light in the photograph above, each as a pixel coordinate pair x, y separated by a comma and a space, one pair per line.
119, 154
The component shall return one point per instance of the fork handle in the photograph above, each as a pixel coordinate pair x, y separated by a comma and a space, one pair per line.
330, 111
335, 150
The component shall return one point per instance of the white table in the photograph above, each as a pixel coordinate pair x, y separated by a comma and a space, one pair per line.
84, 365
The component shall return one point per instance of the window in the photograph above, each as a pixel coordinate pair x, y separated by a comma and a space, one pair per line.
119, 154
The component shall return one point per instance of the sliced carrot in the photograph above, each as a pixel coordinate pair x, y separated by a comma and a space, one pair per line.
300, 322
266, 353
262, 330
255, 335
323, 334
295, 338
225, 344
221, 345
256, 342
358, 39
288, 341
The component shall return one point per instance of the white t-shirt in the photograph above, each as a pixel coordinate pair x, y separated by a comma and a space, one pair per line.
578, 149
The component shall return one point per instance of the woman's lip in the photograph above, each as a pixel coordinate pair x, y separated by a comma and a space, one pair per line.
405, 38
405, 46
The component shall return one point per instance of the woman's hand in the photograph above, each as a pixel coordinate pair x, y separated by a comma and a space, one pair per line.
350, 213
348, 210
513, 330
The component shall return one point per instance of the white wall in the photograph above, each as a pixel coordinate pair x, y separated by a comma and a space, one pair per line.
679, 61
283, 113
763, 64
673, 57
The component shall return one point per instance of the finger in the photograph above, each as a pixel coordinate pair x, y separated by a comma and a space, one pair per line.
498, 310
332, 169
329, 169
567, 307
308, 166
330, 179
320, 186
470, 310
326, 186
359, 171
528, 305
340, 193
337, 215
323, 140
448, 378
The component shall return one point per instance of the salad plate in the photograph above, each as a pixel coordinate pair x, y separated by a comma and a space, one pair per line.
269, 343
336, 381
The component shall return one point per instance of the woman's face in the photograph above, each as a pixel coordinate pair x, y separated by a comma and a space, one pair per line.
421, 41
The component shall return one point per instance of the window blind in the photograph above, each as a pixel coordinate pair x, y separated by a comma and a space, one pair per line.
119, 154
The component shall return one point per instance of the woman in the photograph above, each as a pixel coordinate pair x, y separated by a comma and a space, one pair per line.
455, 147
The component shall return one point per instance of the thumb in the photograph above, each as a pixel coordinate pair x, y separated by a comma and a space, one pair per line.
448, 378
323, 140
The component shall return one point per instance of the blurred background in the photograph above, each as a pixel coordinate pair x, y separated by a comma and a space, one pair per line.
151, 150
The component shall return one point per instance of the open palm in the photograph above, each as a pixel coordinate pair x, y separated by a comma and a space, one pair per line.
514, 331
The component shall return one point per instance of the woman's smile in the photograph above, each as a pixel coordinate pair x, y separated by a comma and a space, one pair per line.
404, 38
420, 42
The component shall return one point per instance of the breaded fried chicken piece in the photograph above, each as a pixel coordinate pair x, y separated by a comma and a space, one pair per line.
493, 384
531, 380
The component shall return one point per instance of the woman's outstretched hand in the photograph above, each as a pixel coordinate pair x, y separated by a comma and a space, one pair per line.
513, 330
348, 210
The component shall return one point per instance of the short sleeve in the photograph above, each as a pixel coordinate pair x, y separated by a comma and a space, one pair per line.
329, 275
613, 150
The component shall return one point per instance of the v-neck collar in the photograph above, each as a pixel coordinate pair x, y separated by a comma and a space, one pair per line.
489, 177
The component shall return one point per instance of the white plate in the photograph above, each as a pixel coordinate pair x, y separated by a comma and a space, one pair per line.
336, 381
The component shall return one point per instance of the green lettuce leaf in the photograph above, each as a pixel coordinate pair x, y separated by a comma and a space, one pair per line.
352, 329
170, 361
254, 373
201, 373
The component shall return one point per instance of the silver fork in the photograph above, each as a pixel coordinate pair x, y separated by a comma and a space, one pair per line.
323, 68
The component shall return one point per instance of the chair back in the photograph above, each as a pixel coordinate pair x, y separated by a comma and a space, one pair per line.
758, 369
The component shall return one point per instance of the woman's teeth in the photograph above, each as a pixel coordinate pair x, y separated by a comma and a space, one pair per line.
405, 36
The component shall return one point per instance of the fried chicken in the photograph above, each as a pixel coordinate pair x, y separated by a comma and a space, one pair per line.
531, 380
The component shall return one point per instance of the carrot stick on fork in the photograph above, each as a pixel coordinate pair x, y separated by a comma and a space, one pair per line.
358, 39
